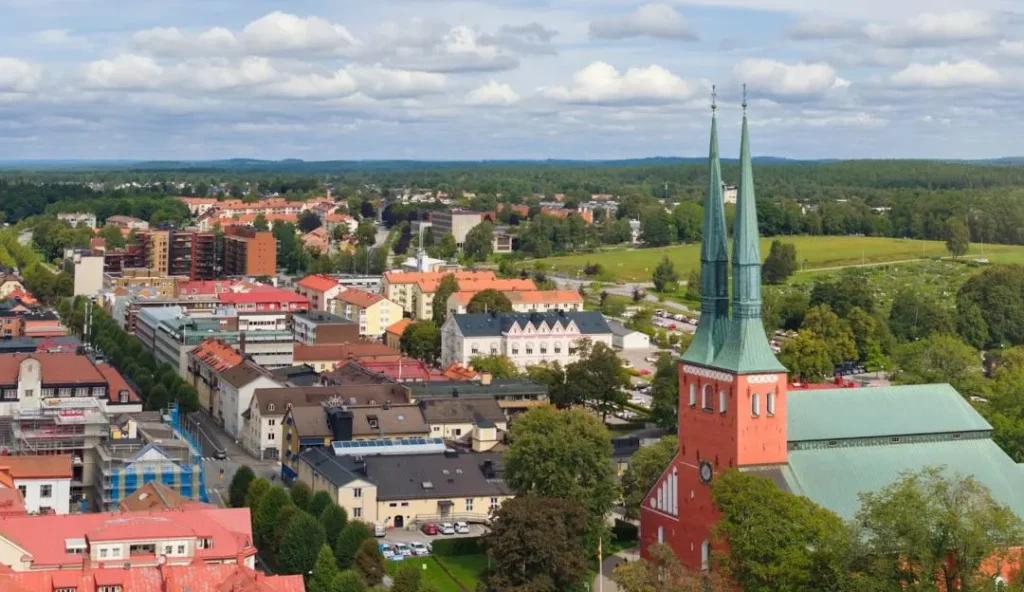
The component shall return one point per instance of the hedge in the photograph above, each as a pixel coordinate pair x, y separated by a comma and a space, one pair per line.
625, 532
456, 547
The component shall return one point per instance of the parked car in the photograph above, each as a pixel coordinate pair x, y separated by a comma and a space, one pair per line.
386, 551
429, 528
461, 528
447, 528
419, 549
651, 360
401, 549
379, 530
645, 372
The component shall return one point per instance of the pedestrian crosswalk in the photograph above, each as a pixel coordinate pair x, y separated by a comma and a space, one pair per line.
210, 458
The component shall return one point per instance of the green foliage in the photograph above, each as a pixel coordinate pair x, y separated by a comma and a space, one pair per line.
446, 248
272, 543
998, 293
489, 301
645, 467
780, 264
260, 223
319, 502
657, 229
447, 286
308, 221
693, 284
456, 547
689, 221
301, 495
334, 519
498, 366
807, 358
407, 578
478, 245
665, 275
366, 233
347, 545
369, 562
265, 517
536, 543
422, 340
665, 393
915, 316
597, 378
240, 486
663, 572
957, 237
938, 359
834, 332
254, 493
349, 581
625, 532
843, 293
301, 543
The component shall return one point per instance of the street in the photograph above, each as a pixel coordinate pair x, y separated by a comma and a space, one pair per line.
213, 439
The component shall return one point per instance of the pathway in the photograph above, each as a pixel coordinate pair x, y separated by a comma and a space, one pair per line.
603, 582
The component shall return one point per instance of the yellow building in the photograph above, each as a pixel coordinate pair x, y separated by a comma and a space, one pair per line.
373, 312
475, 422
408, 490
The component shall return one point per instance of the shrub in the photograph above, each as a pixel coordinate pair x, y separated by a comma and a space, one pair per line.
456, 547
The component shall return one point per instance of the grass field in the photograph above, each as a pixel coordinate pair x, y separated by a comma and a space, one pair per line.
466, 570
813, 253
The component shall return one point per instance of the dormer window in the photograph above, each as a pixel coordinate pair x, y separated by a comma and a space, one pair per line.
270, 407
374, 423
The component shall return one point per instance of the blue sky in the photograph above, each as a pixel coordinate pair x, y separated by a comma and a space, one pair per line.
475, 79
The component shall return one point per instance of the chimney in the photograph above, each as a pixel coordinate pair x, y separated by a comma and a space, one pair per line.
387, 405
485, 378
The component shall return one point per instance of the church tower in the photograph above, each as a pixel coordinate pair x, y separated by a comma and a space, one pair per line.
732, 389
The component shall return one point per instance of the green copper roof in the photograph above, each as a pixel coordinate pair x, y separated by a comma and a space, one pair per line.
746, 349
836, 414
714, 266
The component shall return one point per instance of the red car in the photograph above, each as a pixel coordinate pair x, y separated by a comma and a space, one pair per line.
429, 528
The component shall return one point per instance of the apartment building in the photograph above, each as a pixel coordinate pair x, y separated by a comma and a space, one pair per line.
249, 252
76, 218
414, 291
320, 290
456, 222
237, 387
317, 327
524, 301
43, 482
374, 313
206, 362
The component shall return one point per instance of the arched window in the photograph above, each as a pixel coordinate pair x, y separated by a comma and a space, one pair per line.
705, 397
722, 401
770, 403
693, 395
705, 555
755, 405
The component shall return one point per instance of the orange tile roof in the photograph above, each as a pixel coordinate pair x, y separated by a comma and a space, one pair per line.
218, 354
342, 351
116, 383
399, 327
413, 277
336, 218
198, 200
155, 496
456, 372
318, 283
37, 466
228, 218
54, 368
546, 296
195, 577
360, 298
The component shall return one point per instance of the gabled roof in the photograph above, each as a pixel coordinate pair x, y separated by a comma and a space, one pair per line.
195, 577
217, 354
360, 298
352, 395
399, 327
318, 283
394, 420
474, 411
341, 351
244, 373
496, 324
37, 466
516, 295
67, 369
155, 496
310, 421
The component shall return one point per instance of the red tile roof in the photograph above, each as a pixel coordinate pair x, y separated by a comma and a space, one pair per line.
342, 351
413, 277
155, 496
524, 296
360, 298
318, 283
218, 354
116, 383
264, 294
205, 287
54, 368
11, 502
404, 369
399, 327
166, 578
37, 466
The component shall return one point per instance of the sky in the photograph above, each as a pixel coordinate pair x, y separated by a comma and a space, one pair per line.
508, 79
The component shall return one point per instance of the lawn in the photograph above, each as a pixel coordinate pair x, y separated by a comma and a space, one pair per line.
466, 570
432, 574
813, 252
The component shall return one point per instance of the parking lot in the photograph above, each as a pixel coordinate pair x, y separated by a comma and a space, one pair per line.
409, 536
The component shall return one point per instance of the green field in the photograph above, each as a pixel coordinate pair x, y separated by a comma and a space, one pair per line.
465, 569
813, 253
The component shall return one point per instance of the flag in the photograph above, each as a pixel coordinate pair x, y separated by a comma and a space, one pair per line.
599, 548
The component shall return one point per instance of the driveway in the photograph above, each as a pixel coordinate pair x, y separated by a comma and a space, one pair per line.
603, 582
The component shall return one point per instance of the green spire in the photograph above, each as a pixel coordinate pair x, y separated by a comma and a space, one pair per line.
746, 349
714, 263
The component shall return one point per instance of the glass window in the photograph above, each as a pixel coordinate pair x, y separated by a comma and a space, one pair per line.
755, 405
469, 504
45, 490
770, 403
357, 492
693, 395
705, 397
357, 512
722, 396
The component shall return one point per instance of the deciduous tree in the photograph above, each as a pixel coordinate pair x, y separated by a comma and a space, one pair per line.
265, 517
832, 330
598, 378
938, 359
421, 340
479, 242
347, 545
407, 578
369, 562
665, 393
350, 581
301, 495
318, 503
240, 486
325, 572
300, 544
489, 301
665, 275
915, 316
366, 233
645, 467
333, 518
807, 358
665, 573
957, 237
447, 286
780, 264
498, 366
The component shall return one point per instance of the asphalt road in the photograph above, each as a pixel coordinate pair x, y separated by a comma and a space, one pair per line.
212, 438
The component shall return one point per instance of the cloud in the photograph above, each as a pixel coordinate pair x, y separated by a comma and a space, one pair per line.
600, 83
946, 75
492, 94
815, 120
459, 49
787, 80
124, 72
822, 26
931, 28
649, 20
59, 37
1011, 49
531, 38
18, 76
386, 83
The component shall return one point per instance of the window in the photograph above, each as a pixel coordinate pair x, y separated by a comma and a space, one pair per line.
475, 349
529, 349
23, 491
168, 549
357, 492
755, 405
458, 431
469, 504
357, 512
270, 436
705, 555
693, 395
494, 504
543, 348
405, 504
661, 534
515, 350
103, 553
393, 505
181, 549
46, 491
705, 397
270, 407
115, 552
28, 393
271, 422
722, 396
770, 404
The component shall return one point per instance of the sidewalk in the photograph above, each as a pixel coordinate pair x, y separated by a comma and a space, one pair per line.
608, 567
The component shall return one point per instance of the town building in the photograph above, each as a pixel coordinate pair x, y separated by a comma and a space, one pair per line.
324, 358
458, 223
10, 284
320, 290
393, 334
190, 253
75, 218
126, 222
303, 375
42, 380
237, 386
414, 291
265, 298
471, 422
628, 339
42, 323
374, 313
205, 364
317, 327
165, 578
406, 490
525, 338
522, 300
514, 396
154, 497
132, 278
44, 482
400, 371
197, 206
248, 252
501, 241
87, 269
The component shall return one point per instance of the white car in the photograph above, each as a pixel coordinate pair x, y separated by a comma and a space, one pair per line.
651, 360
419, 549
627, 364
386, 551
461, 528
401, 549
446, 528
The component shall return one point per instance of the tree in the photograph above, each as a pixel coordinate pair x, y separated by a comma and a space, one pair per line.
498, 366
843, 293
693, 284
915, 316
957, 237
240, 486
937, 359
565, 455
479, 242
446, 248
407, 578
369, 562
157, 398
864, 329
807, 358
301, 494
665, 393
930, 523
308, 221
657, 229
827, 326
260, 223
489, 301
272, 544
325, 572
350, 581
113, 237
689, 220
778, 542
351, 537
319, 502
447, 286
421, 340
780, 264
301, 543
333, 518
265, 517
665, 573
998, 292
551, 375
536, 543
645, 467
366, 233
597, 378
664, 275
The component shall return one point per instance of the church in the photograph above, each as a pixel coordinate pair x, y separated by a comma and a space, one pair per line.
738, 411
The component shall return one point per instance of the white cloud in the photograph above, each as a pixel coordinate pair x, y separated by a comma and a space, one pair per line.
861, 119
492, 94
823, 26
385, 83
946, 75
601, 83
458, 49
649, 20
58, 37
787, 80
1012, 49
932, 28
531, 38
18, 75
124, 72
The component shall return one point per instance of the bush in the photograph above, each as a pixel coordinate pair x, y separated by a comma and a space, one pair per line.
625, 532
456, 547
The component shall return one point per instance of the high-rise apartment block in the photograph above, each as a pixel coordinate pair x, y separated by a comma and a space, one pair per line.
249, 252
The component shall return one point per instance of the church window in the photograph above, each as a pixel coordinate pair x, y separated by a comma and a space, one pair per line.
661, 534
755, 405
722, 395
705, 397
705, 555
693, 395
770, 404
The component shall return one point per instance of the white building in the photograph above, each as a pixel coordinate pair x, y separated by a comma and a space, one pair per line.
76, 218
88, 273
524, 301
44, 482
526, 339
237, 386
625, 338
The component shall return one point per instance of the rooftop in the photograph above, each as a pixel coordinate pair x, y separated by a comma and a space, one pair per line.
264, 294
166, 578
318, 283
341, 351
497, 388
392, 420
495, 324
399, 327
243, 373
462, 411
520, 296
321, 317
360, 298
218, 354
56, 369
154, 496
37, 466
351, 395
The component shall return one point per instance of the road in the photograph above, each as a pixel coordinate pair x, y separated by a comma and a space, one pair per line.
212, 439
622, 290
603, 582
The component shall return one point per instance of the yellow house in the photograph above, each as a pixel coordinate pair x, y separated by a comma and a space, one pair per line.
475, 422
408, 490
372, 311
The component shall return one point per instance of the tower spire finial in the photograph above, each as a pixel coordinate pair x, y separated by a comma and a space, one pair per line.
744, 98
714, 99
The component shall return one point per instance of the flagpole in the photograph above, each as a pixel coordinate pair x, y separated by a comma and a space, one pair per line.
600, 567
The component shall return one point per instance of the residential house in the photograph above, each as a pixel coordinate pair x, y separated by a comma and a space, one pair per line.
266, 298
43, 481
317, 327
414, 290
318, 240
629, 339
424, 290
38, 380
237, 386
525, 338
206, 362
42, 323
9, 284
320, 290
372, 311
466, 421
75, 218
303, 375
393, 334
155, 496
324, 358
523, 301
514, 396
126, 223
